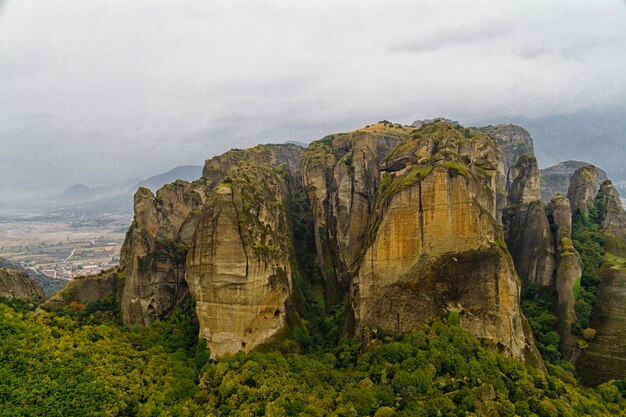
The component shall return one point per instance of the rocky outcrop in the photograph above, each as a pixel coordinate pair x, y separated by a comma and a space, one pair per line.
239, 266
17, 284
527, 230
403, 217
555, 179
341, 177
568, 273
582, 189
86, 290
612, 219
433, 246
513, 142
605, 357
152, 259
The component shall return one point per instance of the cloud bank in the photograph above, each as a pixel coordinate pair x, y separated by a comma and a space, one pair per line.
100, 91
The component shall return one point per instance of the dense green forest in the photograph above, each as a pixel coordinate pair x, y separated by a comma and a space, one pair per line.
79, 361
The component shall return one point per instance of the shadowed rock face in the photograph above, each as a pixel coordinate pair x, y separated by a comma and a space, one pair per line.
341, 177
568, 271
605, 358
613, 219
152, 258
555, 179
527, 230
239, 265
406, 223
432, 244
17, 284
582, 188
513, 142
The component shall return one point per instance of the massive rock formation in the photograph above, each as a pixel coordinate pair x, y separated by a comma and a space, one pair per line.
513, 143
527, 230
605, 357
239, 265
433, 246
582, 188
17, 284
612, 219
568, 272
152, 260
341, 177
555, 179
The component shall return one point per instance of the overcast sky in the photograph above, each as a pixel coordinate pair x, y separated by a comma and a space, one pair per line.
102, 90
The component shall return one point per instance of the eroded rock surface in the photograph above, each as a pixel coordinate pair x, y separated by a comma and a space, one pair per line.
341, 177
582, 188
527, 230
513, 142
605, 358
613, 219
569, 271
434, 247
239, 265
152, 260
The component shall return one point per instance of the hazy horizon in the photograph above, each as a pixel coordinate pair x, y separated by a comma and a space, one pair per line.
100, 92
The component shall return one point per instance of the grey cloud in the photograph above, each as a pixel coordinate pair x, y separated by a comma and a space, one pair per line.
105, 90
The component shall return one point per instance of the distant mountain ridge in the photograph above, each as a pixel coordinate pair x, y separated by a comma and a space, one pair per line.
119, 197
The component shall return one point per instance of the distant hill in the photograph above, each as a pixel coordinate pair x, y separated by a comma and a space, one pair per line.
182, 172
118, 198
555, 179
78, 193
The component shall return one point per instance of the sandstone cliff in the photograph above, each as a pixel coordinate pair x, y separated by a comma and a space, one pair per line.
404, 217
605, 358
582, 189
341, 178
612, 219
239, 268
513, 143
568, 272
433, 246
17, 284
527, 230
152, 260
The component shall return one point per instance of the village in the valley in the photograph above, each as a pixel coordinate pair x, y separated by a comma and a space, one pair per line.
63, 249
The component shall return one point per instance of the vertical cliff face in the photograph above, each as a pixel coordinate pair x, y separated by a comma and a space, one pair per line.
433, 246
527, 230
582, 188
404, 218
152, 258
568, 272
341, 178
613, 219
513, 142
605, 358
239, 265
17, 284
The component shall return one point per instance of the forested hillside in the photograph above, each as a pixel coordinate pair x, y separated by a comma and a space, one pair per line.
78, 361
